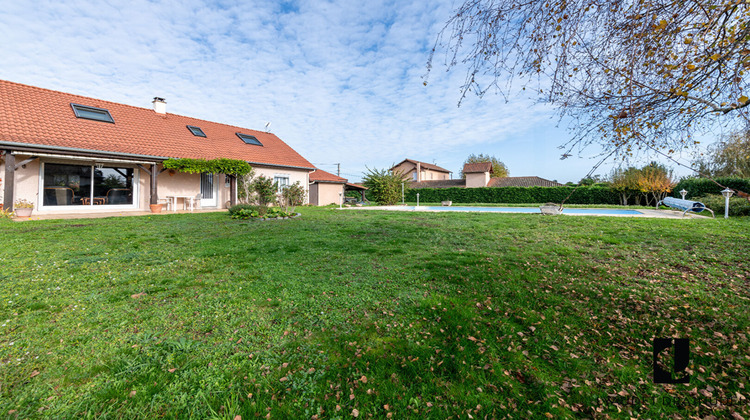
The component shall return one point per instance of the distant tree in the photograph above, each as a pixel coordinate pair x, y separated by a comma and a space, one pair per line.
625, 182
499, 169
655, 182
590, 180
650, 183
385, 186
630, 74
730, 157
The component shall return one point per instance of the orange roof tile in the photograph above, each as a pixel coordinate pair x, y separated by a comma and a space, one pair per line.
322, 176
478, 167
34, 116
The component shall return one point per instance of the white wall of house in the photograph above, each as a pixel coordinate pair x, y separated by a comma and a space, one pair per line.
29, 186
477, 180
295, 175
27, 181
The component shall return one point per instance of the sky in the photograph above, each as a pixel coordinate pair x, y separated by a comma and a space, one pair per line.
340, 81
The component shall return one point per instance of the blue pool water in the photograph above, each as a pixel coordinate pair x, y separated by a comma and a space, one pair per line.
520, 210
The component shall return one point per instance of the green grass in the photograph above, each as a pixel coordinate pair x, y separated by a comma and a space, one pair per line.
418, 315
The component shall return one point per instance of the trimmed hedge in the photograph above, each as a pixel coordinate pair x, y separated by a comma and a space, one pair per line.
699, 187
737, 206
583, 195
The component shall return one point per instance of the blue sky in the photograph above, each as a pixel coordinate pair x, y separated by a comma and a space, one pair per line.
340, 81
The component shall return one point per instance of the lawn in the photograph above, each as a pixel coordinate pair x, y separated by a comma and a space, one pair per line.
371, 314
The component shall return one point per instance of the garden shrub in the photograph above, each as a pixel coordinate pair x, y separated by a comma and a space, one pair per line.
254, 212
238, 207
292, 196
700, 187
385, 186
737, 206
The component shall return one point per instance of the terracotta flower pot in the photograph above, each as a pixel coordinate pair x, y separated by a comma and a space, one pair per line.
156, 208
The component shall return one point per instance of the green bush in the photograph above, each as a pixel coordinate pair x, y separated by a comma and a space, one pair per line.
238, 207
254, 212
737, 206
583, 195
385, 186
700, 187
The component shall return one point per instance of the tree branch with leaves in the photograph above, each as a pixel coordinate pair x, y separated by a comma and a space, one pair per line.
629, 73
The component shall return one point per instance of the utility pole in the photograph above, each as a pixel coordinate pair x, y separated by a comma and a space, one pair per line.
338, 169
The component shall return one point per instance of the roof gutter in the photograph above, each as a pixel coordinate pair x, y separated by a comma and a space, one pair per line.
31, 148
280, 166
83, 158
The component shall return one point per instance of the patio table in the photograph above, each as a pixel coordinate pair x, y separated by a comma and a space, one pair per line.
173, 199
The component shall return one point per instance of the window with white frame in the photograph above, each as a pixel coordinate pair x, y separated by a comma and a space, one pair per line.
282, 181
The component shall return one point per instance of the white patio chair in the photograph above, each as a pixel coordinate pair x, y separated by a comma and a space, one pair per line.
195, 202
167, 202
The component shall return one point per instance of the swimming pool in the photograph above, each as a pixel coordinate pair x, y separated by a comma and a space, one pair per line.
600, 212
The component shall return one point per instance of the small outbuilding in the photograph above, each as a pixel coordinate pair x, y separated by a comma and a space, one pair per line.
326, 188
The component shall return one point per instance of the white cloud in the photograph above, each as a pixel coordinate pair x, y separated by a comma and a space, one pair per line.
340, 81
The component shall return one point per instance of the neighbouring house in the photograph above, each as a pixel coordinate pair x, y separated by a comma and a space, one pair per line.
70, 153
479, 175
326, 188
417, 171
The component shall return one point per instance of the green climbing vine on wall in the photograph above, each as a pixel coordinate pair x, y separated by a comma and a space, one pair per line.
215, 166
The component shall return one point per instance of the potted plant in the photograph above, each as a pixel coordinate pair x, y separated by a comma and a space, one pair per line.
23, 208
155, 208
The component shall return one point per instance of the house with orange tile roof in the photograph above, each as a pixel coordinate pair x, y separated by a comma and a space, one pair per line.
417, 171
479, 175
70, 153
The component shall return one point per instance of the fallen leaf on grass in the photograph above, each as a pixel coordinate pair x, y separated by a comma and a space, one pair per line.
355, 412
363, 379
34, 373
172, 370
138, 295
237, 417
132, 393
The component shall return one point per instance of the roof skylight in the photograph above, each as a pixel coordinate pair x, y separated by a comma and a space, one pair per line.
249, 139
92, 113
196, 131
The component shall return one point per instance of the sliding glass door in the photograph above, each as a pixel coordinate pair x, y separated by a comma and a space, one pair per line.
87, 185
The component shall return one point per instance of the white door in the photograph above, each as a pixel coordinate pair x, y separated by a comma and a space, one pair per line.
209, 190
